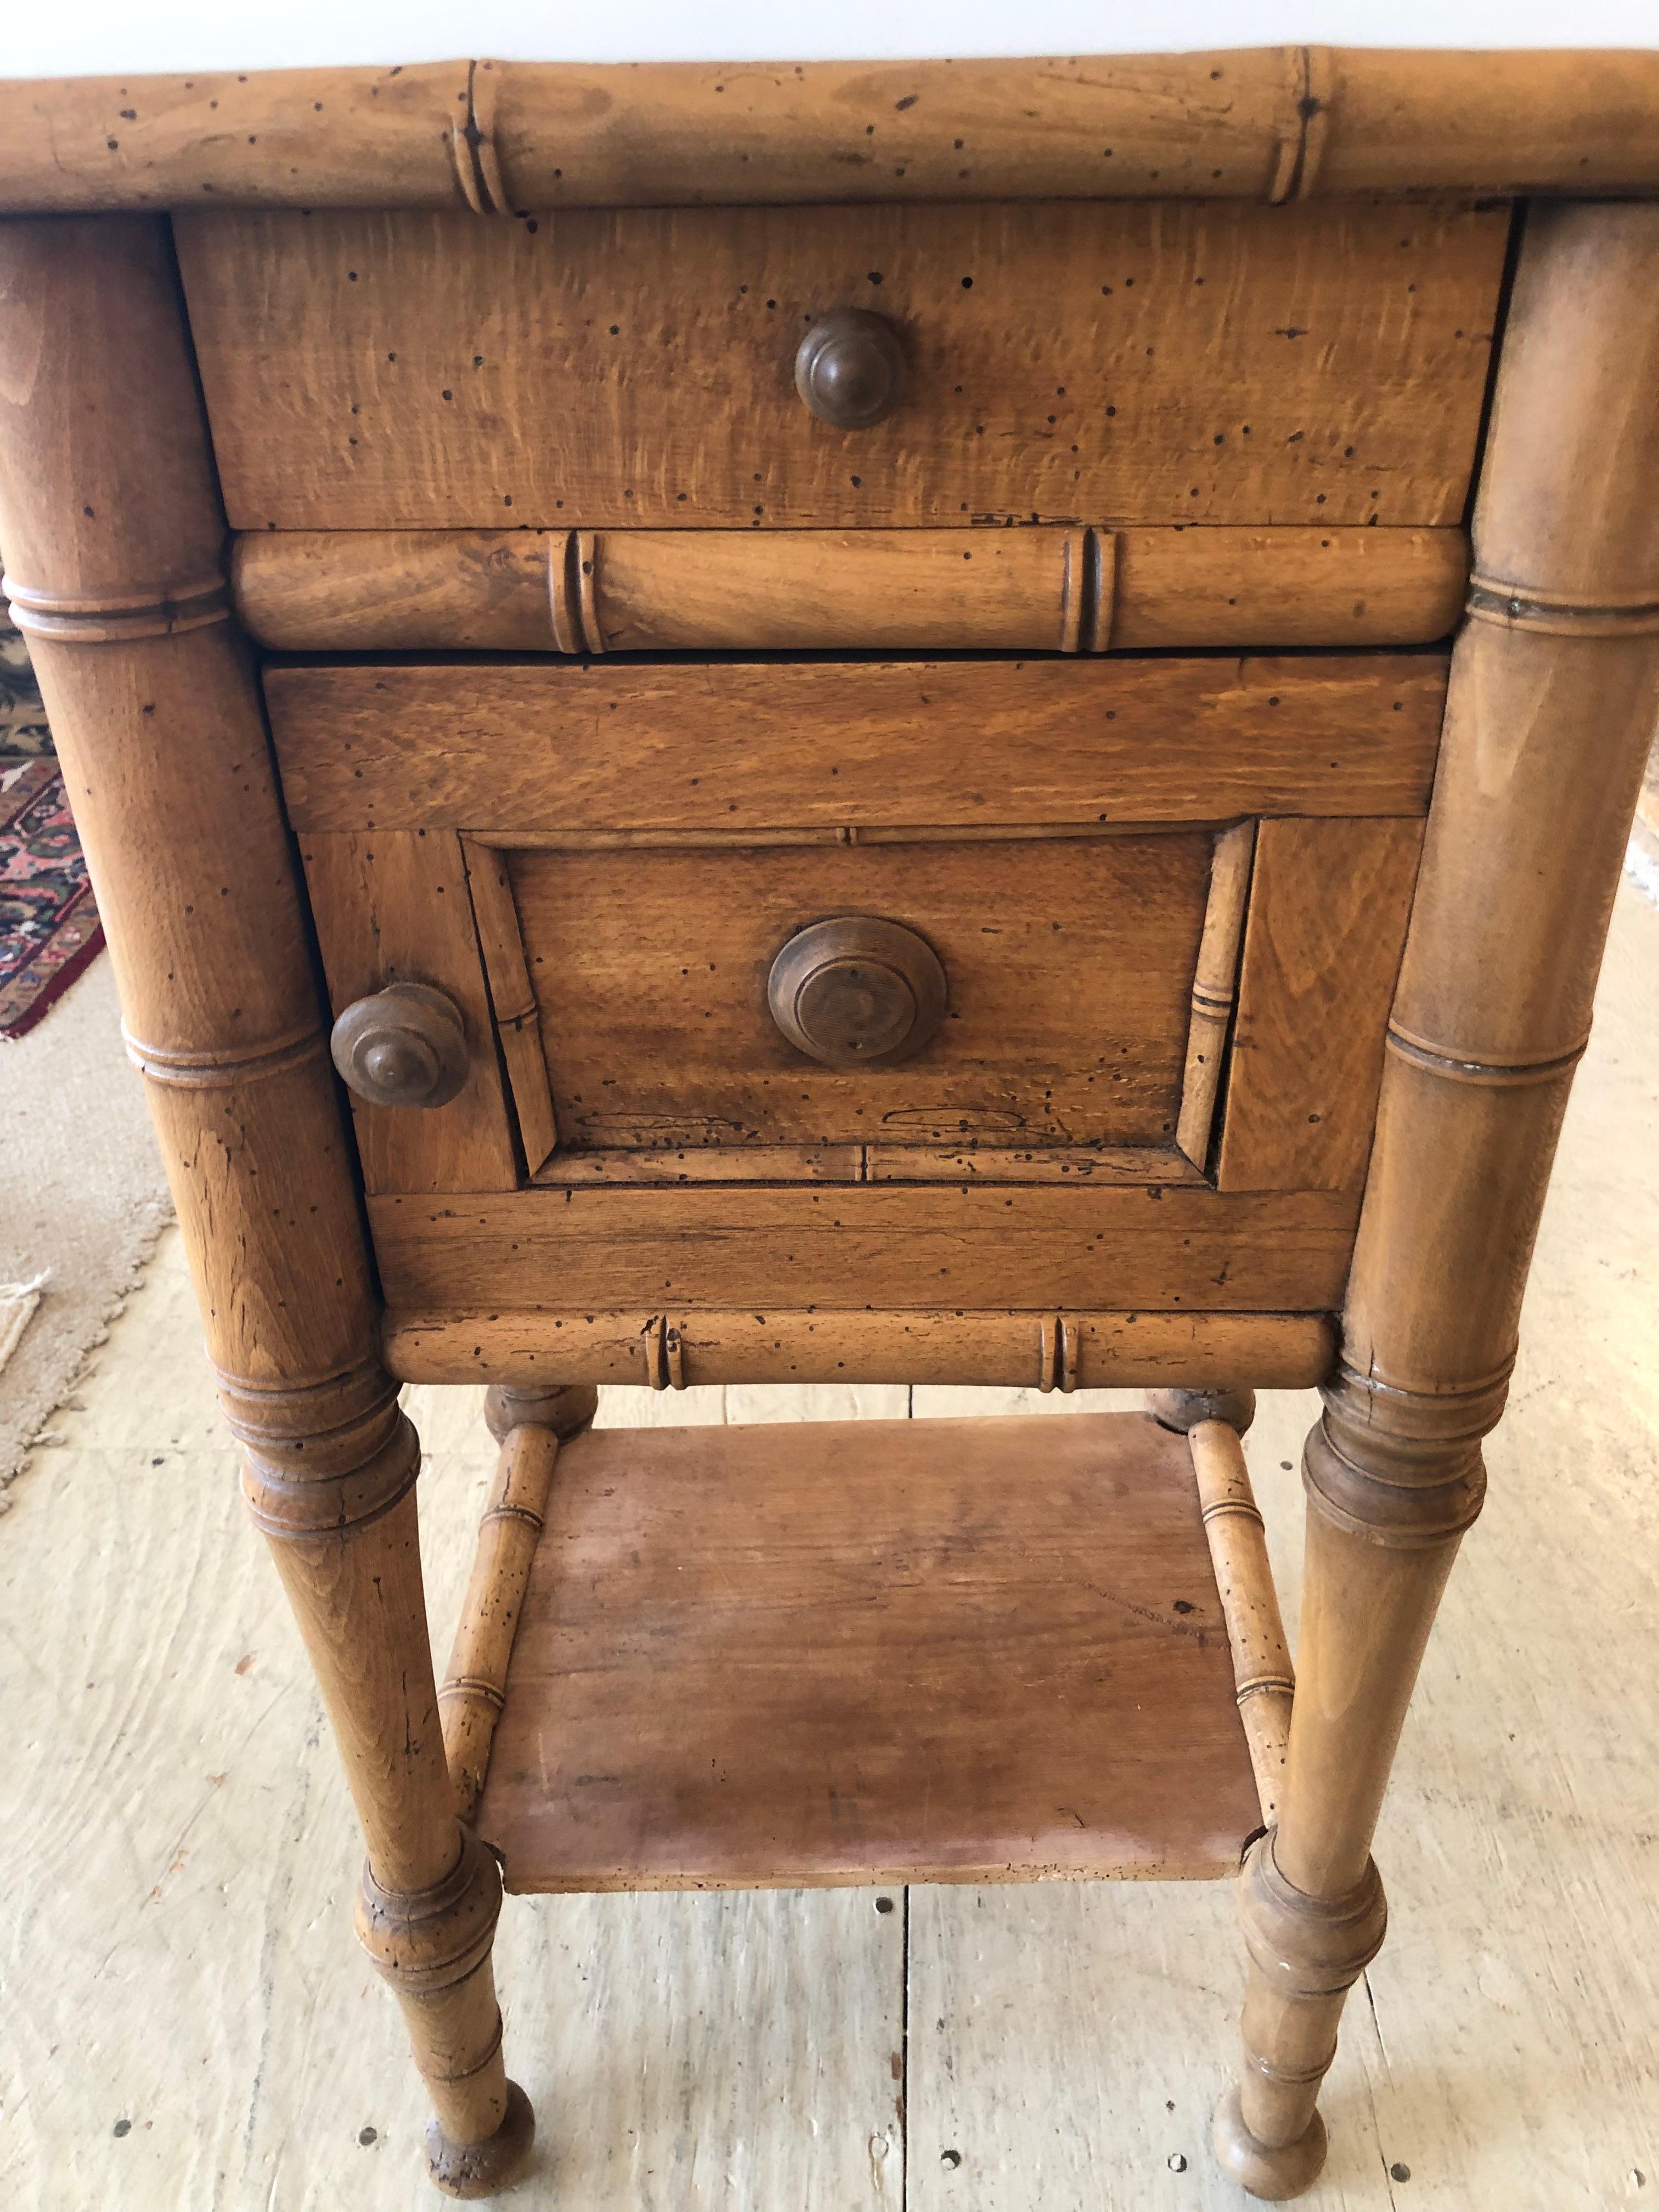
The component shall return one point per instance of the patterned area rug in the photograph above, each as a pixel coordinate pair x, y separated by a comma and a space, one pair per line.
49, 925
22, 718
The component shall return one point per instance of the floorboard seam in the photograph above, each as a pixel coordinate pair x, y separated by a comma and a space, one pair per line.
904, 2060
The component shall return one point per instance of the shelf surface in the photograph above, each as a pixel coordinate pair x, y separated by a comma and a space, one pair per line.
840, 1652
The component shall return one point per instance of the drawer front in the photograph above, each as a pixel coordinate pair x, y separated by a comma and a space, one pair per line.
1068, 966
1107, 363
1164, 902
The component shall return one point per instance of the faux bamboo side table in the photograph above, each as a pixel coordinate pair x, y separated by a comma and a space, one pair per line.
841, 678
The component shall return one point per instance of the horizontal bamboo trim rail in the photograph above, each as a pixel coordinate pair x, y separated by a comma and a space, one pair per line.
475, 1688
1128, 1351
1262, 1674
1271, 124
1041, 588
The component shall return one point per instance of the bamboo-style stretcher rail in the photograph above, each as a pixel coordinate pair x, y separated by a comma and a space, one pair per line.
474, 1689
1039, 588
529, 1428
1273, 124
541, 1349
1262, 1672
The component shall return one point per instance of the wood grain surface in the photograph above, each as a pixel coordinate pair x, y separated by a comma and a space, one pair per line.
393, 908
1106, 362
1066, 963
842, 1653
1029, 590
512, 1002
1272, 123
1554, 694
1215, 989
513, 751
689, 1164
534, 1348
869, 1244
1264, 1680
326, 137
475, 1682
1329, 902
110, 512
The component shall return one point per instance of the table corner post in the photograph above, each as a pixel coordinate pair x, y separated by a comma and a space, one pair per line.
1553, 694
114, 537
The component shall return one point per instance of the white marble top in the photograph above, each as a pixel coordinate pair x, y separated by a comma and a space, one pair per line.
110, 36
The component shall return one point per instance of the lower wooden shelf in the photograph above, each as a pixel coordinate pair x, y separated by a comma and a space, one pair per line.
846, 1652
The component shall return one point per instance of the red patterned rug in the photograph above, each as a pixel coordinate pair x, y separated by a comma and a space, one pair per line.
49, 925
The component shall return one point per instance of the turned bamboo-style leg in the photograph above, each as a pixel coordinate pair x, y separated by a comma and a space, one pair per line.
114, 537
1554, 697
1380, 1538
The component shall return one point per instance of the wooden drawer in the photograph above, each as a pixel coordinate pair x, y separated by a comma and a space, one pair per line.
1069, 963
1168, 898
1103, 362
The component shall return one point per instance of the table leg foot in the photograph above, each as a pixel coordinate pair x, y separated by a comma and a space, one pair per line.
1273, 2172
482, 2169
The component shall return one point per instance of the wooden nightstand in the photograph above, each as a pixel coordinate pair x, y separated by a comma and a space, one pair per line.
856, 738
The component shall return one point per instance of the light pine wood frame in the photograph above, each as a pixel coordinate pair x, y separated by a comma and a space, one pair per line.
109, 516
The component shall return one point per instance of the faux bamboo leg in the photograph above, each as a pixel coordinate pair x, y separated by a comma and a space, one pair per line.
1554, 693
347, 1547
110, 516
1381, 1539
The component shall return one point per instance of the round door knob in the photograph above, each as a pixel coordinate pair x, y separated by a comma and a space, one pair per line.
405, 1046
849, 369
856, 989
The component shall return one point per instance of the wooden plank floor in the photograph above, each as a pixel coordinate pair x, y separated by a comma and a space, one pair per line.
185, 2025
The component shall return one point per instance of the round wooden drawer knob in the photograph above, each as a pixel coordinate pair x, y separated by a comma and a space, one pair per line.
849, 369
405, 1046
855, 989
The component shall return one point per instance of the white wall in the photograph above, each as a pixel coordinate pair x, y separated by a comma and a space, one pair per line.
102, 37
